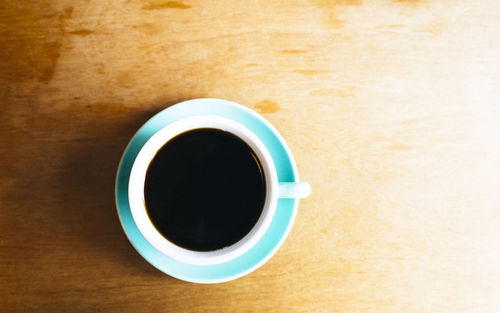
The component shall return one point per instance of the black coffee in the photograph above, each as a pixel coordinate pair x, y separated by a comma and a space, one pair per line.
204, 189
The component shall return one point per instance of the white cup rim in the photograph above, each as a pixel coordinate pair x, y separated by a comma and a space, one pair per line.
136, 190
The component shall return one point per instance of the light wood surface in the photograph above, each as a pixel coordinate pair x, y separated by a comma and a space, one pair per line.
391, 109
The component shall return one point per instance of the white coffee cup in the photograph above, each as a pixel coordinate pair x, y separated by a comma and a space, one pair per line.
274, 190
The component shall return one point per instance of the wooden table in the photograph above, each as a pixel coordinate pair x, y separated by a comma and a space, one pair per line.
391, 108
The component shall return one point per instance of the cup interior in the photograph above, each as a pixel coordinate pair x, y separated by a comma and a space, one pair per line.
138, 176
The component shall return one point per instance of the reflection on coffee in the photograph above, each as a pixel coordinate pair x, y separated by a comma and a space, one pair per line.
204, 189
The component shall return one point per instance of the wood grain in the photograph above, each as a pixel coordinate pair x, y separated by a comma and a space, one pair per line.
391, 109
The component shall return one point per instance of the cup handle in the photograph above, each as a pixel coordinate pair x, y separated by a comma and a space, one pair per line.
294, 190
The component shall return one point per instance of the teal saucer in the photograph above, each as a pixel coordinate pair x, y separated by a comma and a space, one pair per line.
280, 226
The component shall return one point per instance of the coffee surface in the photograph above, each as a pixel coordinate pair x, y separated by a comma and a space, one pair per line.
204, 189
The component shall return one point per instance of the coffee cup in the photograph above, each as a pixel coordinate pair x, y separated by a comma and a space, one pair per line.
175, 132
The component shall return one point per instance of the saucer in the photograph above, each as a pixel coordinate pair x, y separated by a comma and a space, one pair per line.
282, 221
